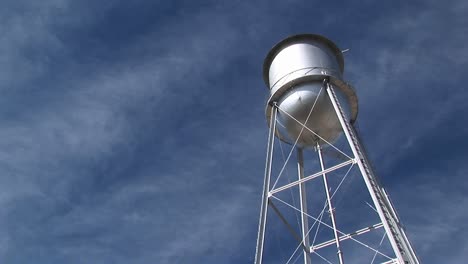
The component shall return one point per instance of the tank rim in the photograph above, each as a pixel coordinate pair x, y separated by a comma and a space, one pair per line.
294, 38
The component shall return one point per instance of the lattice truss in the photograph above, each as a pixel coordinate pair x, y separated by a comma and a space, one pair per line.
333, 210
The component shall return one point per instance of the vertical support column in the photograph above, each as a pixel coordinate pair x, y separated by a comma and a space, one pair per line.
303, 201
330, 206
401, 249
266, 188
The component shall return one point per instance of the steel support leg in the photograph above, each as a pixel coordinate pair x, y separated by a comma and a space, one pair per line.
402, 249
303, 201
330, 206
266, 189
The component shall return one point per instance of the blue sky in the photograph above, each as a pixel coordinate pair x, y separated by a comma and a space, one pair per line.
134, 131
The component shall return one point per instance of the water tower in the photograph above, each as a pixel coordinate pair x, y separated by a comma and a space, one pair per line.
310, 107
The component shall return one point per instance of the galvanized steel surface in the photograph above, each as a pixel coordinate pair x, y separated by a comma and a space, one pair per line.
311, 46
298, 102
294, 70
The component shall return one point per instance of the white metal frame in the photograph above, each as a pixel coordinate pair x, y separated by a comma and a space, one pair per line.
393, 231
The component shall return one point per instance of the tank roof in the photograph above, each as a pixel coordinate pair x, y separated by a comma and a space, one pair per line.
294, 39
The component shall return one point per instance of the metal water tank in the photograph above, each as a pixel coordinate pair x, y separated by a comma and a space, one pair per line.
297, 71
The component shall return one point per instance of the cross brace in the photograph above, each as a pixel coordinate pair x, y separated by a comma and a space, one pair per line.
310, 177
345, 237
392, 261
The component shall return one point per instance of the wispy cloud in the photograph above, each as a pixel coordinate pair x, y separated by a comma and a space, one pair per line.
58, 151
139, 140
